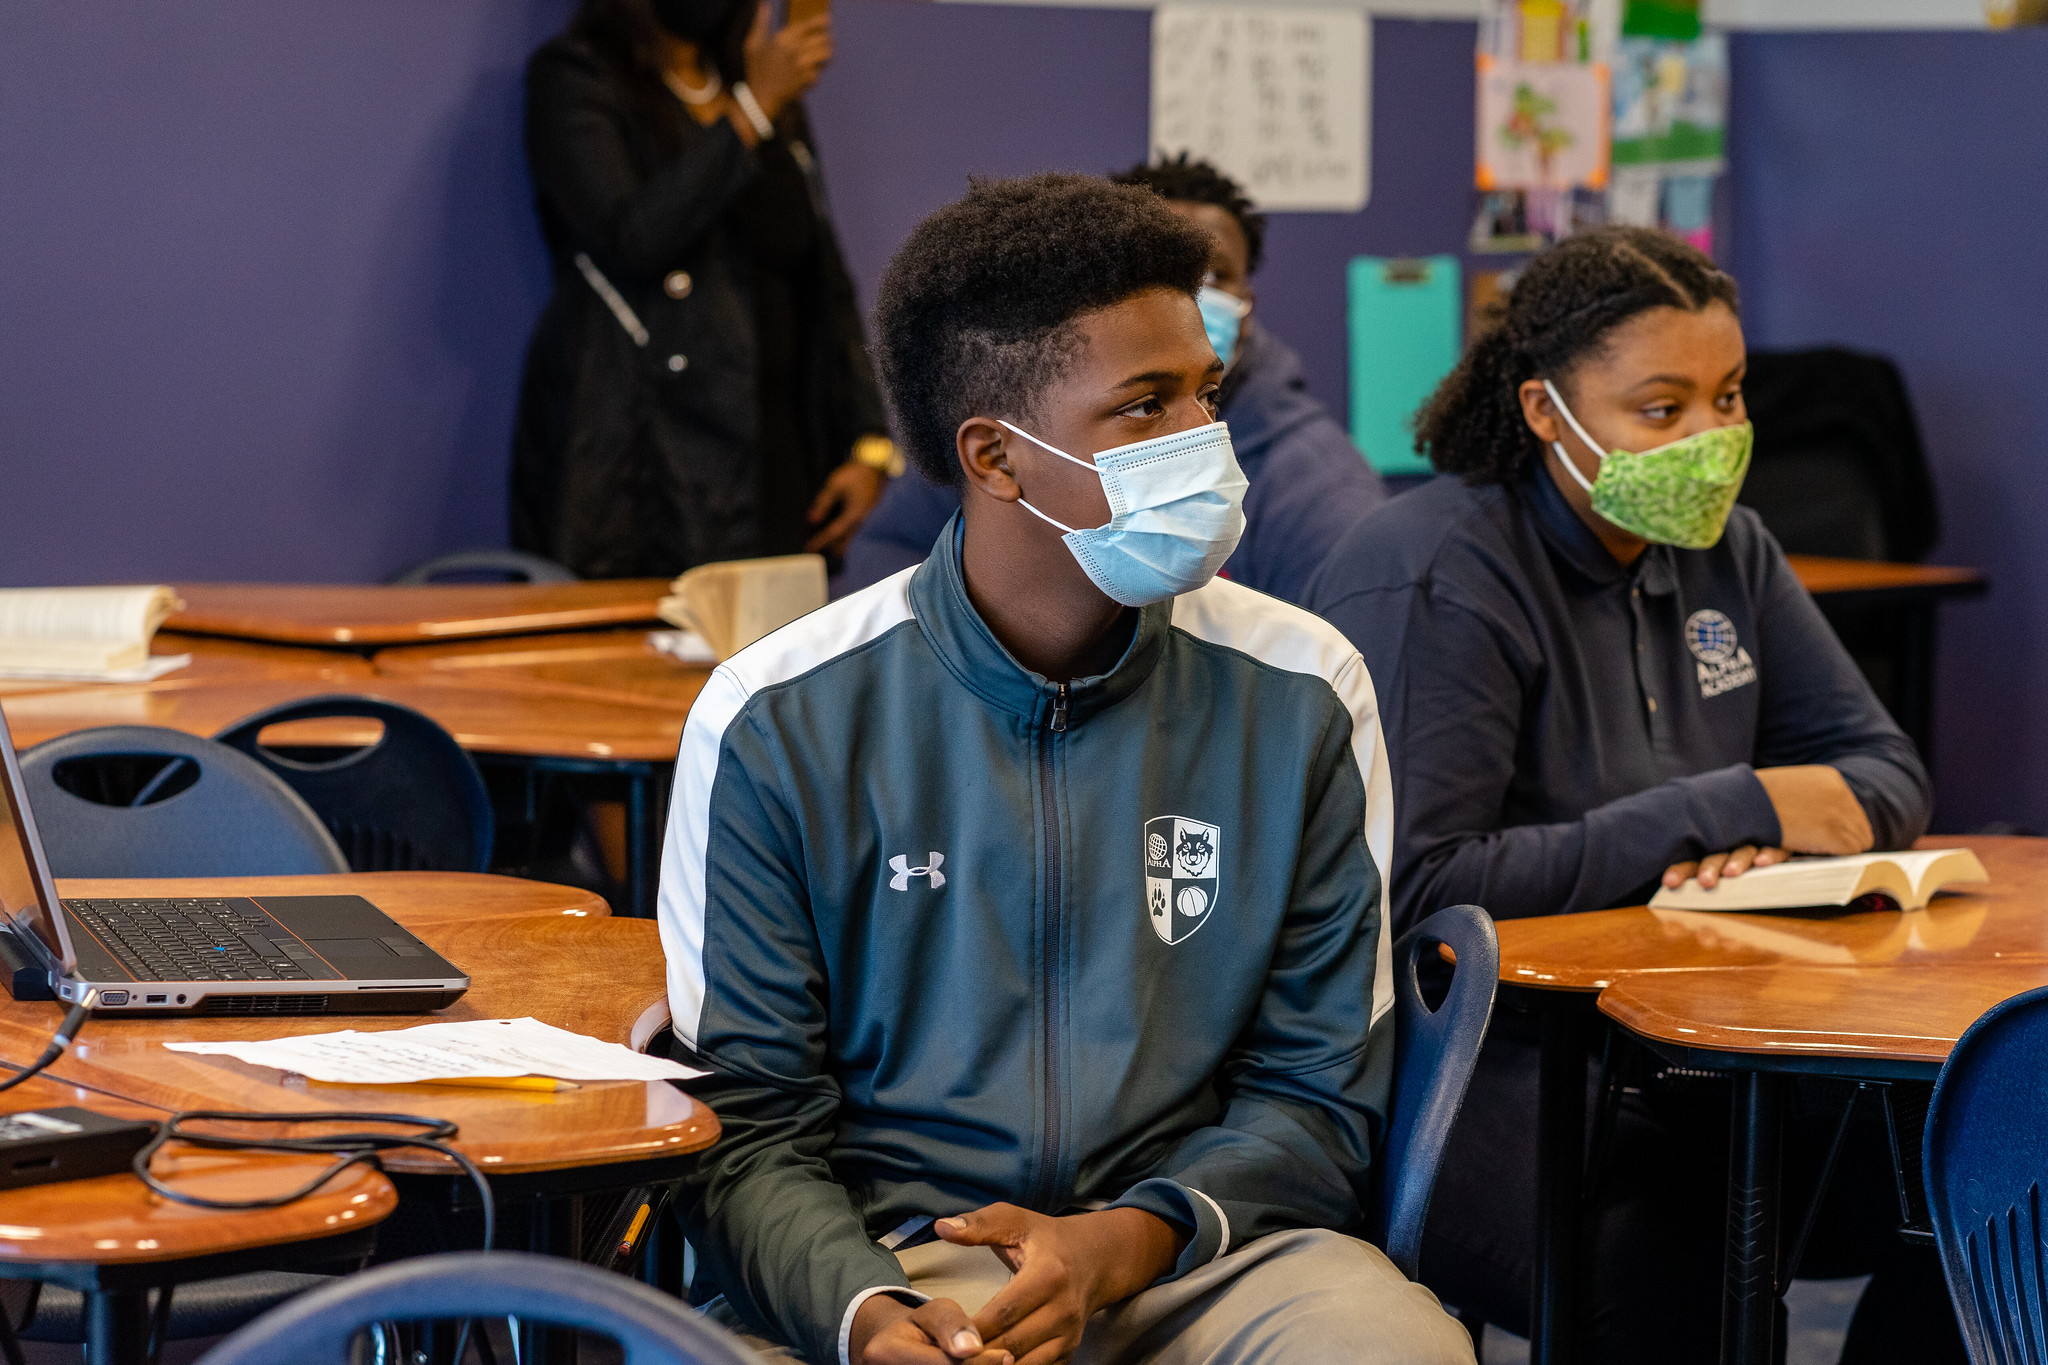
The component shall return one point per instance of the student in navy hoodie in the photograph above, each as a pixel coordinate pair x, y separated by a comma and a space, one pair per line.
1309, 483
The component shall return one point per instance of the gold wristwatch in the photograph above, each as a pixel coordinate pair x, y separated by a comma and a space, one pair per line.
878, 452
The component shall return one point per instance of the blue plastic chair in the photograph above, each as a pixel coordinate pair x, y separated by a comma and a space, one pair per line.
1434, 1053
652, 1327
516, 565
1985, 1161
411, 802
207, 812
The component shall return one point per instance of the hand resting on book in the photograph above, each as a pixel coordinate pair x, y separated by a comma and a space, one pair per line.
1817, 813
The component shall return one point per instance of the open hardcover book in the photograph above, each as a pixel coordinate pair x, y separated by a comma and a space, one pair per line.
735, 602
1908, 880
88, 634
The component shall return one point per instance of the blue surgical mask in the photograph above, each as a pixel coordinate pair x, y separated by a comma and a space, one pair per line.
1176, 511
1222, 317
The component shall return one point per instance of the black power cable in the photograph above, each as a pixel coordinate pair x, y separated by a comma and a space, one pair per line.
349, 1149
74, 1019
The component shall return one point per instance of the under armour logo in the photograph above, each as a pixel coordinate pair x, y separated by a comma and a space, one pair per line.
900, 865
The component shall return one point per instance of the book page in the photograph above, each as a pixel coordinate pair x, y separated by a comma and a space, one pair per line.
734, 602
1800, 882
114, 615
1925, 867
1806, 882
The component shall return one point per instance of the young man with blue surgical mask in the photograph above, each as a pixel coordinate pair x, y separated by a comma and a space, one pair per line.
1308, 483
1027, 906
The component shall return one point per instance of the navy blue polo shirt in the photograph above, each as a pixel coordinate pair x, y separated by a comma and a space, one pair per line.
1563, 727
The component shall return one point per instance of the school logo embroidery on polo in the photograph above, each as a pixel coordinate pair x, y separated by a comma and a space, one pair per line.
1721, 661
1181, 861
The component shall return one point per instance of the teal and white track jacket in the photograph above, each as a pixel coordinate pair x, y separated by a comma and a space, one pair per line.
949, 934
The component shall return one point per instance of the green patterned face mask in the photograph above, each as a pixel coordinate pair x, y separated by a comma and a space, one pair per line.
1678, 494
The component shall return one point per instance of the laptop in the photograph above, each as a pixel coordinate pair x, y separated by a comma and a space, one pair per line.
217, 955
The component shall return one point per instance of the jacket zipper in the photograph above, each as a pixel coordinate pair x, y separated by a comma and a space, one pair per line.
1048, 1156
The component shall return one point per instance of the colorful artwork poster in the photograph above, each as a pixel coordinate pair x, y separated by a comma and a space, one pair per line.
1671, 103
1542, 125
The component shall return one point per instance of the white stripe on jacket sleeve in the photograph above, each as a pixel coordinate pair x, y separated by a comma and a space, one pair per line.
797, 648
1285, 636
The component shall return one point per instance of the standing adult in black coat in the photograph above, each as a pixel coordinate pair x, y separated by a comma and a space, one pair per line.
698, 388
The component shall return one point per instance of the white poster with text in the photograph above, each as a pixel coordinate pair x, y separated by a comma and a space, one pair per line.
1277, 99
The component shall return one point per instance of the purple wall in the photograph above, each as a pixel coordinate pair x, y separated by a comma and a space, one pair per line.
1068, 89
270, 268
269, 272
1886, 193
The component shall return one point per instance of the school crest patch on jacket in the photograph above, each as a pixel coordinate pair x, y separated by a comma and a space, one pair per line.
1181, 861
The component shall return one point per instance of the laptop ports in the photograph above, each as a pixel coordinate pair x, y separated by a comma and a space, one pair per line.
113, 997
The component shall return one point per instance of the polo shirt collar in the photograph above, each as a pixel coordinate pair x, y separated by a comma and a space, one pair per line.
1572, 541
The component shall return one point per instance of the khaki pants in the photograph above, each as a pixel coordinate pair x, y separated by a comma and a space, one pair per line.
1307, 1297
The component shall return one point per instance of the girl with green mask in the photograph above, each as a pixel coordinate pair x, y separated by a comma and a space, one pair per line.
1596, 674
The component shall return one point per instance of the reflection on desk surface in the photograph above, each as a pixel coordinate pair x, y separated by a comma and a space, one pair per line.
367, 614
483, 720
606, 665
112, 1219
2003, 920
1910, 1014
1826, 577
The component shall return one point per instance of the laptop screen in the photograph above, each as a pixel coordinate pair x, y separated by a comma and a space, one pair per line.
27, 897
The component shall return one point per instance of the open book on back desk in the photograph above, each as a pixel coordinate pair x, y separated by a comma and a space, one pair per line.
91, 634
1908, 880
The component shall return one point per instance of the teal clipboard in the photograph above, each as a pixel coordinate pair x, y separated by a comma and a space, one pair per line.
1404, 323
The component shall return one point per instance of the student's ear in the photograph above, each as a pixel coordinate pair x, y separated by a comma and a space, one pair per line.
984, 459
1540, 413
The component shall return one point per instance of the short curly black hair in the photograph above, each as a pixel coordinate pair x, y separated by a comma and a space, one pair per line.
976, 312
1561, 310
1198, 182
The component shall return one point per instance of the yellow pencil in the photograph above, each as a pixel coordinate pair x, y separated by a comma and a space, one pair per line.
505, 1082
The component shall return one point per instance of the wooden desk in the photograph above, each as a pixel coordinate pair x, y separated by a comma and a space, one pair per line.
423, 897
1669, 971
1826, 577
539, 731
114, 1240
217, 660
1898, 1022
1766, 1024
589, 973
608, 666
1907, 595
483, 720
374, 615
2005, 919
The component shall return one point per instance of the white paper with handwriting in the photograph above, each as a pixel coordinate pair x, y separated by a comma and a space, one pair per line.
1274, 97
433, 1052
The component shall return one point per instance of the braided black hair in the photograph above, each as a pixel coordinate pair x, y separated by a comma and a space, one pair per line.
1198, 182
976, 311
1561, 310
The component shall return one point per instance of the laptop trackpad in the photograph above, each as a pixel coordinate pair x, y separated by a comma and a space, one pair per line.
335, 948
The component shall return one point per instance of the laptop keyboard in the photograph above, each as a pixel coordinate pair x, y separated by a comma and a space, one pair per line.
194, 940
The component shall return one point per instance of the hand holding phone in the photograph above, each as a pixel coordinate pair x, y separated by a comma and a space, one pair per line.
784, 63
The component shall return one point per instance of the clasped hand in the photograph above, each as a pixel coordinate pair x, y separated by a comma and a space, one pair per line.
1817, 813
1063, 1270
